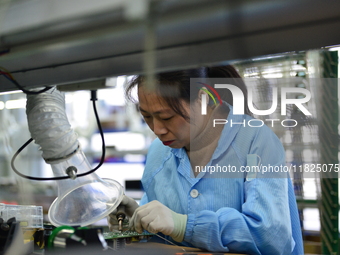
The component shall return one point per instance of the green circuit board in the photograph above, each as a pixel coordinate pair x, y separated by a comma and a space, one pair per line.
125, 234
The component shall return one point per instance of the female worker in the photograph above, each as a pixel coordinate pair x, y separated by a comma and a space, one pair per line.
196, 189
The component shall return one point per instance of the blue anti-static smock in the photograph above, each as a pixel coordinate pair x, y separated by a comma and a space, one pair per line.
251, 215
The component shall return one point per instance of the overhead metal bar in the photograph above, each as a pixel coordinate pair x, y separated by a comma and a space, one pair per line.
188, 33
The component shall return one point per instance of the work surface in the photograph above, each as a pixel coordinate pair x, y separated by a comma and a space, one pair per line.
149, 248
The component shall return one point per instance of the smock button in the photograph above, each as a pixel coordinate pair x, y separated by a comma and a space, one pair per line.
194, 193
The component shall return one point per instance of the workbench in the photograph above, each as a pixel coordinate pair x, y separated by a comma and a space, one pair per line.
142, 248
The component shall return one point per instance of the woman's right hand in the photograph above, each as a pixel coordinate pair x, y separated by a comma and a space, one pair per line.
127, 206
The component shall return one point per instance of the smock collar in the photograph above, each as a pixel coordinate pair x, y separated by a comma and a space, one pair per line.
226, 137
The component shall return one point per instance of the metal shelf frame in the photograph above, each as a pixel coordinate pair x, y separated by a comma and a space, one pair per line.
75, 44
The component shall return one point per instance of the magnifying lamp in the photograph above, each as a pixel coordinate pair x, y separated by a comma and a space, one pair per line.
83, 197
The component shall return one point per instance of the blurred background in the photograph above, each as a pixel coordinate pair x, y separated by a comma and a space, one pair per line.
81, 45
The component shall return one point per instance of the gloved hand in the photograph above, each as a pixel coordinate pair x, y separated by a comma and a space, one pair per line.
128, 206
156, 217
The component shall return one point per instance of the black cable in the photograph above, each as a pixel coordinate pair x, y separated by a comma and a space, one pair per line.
102, 159
93, 99
28, 92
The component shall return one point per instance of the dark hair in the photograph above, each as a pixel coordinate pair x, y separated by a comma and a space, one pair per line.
175, 86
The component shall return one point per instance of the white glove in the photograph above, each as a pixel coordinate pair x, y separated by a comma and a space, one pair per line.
156, 217
128, 206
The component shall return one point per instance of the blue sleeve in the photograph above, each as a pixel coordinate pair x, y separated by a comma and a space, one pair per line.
144, 200
263, 225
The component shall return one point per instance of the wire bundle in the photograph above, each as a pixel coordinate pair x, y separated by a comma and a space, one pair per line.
9, 76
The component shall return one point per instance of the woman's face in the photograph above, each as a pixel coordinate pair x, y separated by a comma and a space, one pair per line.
171, 128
